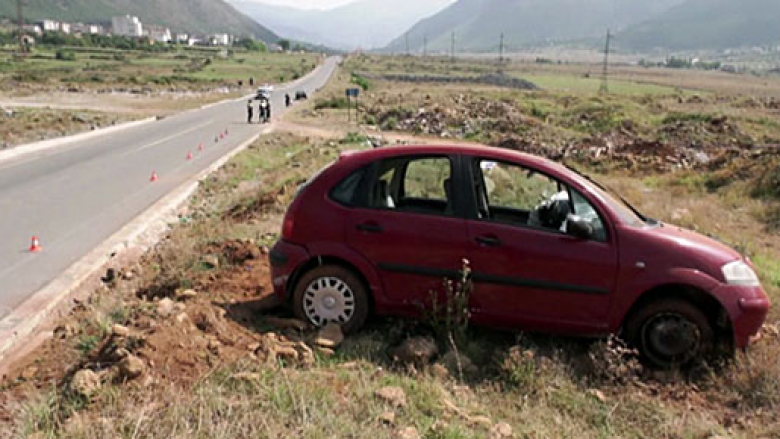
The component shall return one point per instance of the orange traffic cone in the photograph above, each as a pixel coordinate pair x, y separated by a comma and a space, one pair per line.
35, 246
154, 177
189, 155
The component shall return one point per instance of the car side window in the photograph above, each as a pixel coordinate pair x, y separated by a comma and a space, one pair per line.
586, 211
520, 196
346, 191
416, 184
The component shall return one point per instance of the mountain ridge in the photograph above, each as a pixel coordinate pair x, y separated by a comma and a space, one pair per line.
192, 16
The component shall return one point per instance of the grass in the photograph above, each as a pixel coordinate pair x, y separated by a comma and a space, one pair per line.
182, 67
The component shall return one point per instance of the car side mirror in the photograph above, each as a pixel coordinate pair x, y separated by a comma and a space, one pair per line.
579, 227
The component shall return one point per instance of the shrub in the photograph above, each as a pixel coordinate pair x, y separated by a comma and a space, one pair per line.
65, 55
360, 81
332, 103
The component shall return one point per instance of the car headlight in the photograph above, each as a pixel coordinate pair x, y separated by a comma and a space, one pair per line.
740, 273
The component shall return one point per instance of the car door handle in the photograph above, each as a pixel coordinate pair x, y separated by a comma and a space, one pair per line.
488, 241
370, 228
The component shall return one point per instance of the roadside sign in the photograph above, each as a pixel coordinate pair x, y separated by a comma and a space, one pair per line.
353, 92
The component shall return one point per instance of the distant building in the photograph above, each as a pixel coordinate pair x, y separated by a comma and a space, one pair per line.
34, 29
158, 33
127, 26
182, 38
221, 39
63, 27
90, 29
49, 25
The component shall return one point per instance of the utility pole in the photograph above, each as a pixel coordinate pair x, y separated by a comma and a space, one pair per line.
605, 73
501, 50
20, 22
452, 48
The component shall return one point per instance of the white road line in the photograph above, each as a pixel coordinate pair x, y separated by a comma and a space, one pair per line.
172, 136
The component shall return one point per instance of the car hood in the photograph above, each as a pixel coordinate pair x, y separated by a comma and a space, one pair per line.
708, 251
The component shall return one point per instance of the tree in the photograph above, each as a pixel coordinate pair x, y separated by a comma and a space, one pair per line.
285, 45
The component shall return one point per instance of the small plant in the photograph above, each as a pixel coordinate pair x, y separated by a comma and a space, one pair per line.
353, 137
614, 362
65, 55
360, 81
519, 368
449, 318
86, 343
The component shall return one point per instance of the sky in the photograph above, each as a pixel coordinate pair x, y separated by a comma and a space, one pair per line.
308, 4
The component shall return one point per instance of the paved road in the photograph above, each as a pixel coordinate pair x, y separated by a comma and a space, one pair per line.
75, 196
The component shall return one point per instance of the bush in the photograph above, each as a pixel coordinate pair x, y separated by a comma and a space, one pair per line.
332, 103
65, 55
360, 81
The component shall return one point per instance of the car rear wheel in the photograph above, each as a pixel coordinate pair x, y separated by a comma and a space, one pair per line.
331, 293
670, 333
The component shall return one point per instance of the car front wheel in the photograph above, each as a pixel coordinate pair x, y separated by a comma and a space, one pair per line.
331, 294
670, 333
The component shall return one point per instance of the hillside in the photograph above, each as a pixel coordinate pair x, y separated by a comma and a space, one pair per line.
478, 23
363, 24
193, 16
708, 24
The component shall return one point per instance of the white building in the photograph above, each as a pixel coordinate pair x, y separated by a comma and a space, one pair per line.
127, 26
64, 27
182, 38
91, 29
49, 25
33, 28
158, 33
220, 39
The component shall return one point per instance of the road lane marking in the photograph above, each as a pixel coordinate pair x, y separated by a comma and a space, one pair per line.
172, 136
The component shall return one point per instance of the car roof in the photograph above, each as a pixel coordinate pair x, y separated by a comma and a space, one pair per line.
488, 152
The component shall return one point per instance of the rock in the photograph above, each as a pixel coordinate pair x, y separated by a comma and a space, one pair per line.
330, 336
120, 331
598, 394
29, 372
502, 430
282, 323
85, 382
387, 418
416, 350
395, 396
325, 352
182, 317
131, 367
210, 261
128, 275
165, 307
65, 331
186, 294
406, 433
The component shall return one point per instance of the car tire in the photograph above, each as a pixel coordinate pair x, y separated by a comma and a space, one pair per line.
331, 293
670, 333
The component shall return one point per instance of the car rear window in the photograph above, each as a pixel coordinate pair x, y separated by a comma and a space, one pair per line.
345, 192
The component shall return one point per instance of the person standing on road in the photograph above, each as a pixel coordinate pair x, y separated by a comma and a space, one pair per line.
249, 111
287, 100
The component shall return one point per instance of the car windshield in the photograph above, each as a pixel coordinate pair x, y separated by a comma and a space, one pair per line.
627, 213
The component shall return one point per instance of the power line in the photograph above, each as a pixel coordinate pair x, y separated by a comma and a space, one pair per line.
605, 72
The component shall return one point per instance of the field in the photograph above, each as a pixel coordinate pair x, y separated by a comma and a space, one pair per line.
53, 92
189, 342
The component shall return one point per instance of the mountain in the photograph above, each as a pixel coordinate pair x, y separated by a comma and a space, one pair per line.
193, 16
708, 24
362, 24
478, 24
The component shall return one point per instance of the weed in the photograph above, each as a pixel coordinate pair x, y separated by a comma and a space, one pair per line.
87, 343
449, 317
613, 362
332, 103
360, 81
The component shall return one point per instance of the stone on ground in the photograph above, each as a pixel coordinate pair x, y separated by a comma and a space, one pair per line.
394, 396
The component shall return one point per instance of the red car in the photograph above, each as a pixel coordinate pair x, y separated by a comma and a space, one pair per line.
550, 250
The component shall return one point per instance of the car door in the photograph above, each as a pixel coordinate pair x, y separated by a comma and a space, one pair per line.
527, 271
410, 227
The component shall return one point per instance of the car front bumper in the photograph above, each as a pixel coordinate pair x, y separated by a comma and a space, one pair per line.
747, 307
